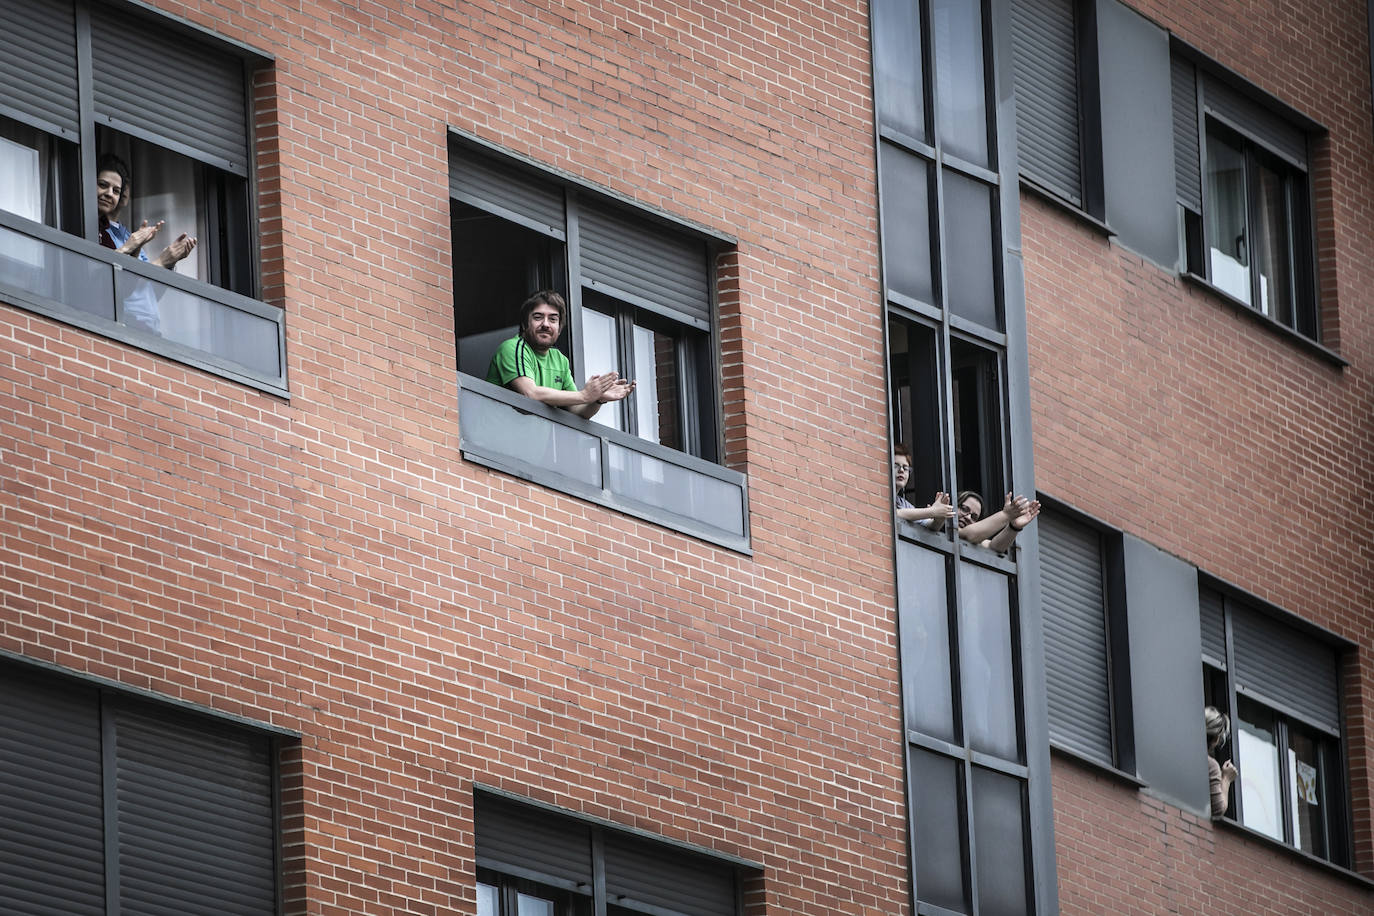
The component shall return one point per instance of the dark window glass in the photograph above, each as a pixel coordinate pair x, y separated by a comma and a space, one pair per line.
916, 406
906, 223
961, 106
937, 830
987, 668
924, 624
977, 422
971, 288
899, 80
1229, 251
999, 832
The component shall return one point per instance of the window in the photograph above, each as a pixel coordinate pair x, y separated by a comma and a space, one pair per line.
536, 861
1087, 663
1244, 198
112, 802
183, 130
1281, 687
1054, 61
639, 290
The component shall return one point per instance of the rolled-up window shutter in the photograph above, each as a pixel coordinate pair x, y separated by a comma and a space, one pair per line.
38, 65
657, 875
1255, 121
52, 857
640, 262
195, 817
1187, 147
508, 192
524, 841
1285, 668
1209, 605
1045, 67
1076, 657
162, 87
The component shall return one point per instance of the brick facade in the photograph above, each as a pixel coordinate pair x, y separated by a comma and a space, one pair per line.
331, 566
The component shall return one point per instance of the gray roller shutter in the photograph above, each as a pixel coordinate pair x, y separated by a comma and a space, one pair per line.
525, 841
1255, 121
644, 873
1285, 668
1076, 657
52, 858
1209, 605
1045, 59
1187, 149
640, 262
506, 191
195, 818
165, 88
38, 65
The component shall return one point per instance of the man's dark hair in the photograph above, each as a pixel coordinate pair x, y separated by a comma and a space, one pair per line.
109, 162
544, 297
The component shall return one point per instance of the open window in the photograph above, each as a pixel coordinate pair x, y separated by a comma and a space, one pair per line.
977, 403
916, 405
1245, 213
1281, 687
80, 88
639, 291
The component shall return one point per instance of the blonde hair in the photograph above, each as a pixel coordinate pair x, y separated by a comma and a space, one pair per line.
1218, 726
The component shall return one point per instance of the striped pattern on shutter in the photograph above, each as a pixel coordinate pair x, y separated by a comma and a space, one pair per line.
1075, 618
1045, 69
38, 65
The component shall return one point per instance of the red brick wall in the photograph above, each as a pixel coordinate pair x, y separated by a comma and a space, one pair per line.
1166, 412
331, 565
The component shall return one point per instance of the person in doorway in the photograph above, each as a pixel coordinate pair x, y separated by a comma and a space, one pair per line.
997, 531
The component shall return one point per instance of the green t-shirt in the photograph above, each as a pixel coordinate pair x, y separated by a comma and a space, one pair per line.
515, 358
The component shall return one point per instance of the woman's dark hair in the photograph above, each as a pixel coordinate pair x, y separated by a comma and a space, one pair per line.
109, 162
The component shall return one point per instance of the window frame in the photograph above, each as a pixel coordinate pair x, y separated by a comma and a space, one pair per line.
1332, 747
236, 255
605, 841
1116, 647
1215, 102
1091, 203
112, 703
551, 204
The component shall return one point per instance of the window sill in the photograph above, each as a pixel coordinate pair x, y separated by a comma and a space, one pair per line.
1306, 343
510, 433
1234, 826
1053, 199
80, 283
1121, 776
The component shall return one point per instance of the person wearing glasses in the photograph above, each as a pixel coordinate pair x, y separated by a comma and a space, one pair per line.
999, 530
932, 516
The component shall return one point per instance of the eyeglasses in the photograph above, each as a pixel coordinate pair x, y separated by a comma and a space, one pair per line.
899, 468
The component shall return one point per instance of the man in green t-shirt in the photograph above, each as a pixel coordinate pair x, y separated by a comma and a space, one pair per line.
529, 364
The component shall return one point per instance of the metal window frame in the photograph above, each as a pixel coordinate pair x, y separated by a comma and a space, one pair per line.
1333, 750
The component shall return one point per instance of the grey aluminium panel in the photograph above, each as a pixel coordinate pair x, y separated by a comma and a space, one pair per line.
1137, 132
1166, 678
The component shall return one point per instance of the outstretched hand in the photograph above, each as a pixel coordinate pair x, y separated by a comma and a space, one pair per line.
607, 387
1032, 510
140, 237
942, 503
179, 249
1015, 506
